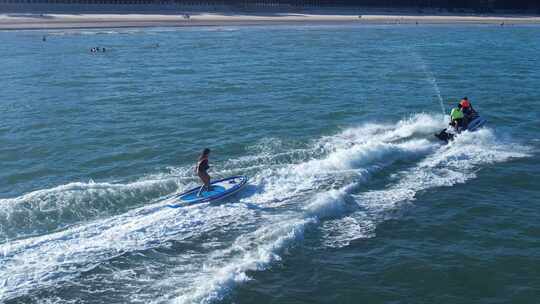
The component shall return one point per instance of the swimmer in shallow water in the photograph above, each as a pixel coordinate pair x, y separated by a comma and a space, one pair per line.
201, 169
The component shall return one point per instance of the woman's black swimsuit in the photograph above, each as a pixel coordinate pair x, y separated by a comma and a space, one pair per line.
203, 166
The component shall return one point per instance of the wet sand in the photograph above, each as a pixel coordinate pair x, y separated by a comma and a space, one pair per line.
62, 21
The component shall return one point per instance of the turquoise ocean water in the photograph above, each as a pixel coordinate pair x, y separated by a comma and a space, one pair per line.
351, 199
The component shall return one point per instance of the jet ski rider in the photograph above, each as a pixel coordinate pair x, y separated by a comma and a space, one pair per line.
468, 111
456, 118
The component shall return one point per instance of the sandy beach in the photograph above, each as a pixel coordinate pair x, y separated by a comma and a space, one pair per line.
60, 21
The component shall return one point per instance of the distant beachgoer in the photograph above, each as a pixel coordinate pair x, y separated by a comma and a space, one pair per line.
103, 50
44, 38
93, 50
201, 169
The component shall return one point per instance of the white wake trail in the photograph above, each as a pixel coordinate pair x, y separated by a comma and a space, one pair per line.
450, 165
297, 195
312, 189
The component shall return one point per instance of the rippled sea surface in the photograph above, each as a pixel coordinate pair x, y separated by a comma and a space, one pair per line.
351, 198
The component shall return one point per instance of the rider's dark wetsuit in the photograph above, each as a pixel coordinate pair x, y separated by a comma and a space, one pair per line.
469, 113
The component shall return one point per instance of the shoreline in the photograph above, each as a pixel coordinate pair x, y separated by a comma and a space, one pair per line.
88, 21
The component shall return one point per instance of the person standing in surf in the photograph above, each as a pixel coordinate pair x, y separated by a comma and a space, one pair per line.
201, 169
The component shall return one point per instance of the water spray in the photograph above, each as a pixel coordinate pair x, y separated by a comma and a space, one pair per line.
431, 78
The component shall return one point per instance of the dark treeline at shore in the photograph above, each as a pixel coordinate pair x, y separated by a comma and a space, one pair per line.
448, 4
442, 4
445, 4
479, 6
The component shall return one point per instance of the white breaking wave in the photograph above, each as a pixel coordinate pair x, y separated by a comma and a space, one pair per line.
48, 209
93, 32
51, 259
450, 165
257, 250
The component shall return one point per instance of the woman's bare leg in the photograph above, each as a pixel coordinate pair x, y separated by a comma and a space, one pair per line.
205, 178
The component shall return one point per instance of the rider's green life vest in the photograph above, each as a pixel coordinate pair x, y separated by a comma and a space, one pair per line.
456, 114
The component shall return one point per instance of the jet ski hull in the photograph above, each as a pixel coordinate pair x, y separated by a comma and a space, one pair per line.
476, 123
446, 135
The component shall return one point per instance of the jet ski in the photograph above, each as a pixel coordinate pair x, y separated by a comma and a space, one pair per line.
475, 123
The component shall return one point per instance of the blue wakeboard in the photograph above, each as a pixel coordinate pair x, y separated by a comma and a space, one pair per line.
219, 189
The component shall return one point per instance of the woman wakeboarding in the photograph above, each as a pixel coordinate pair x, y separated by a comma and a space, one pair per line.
201, 168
